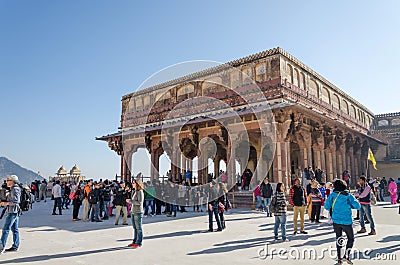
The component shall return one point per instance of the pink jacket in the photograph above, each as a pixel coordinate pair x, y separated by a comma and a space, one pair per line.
257, 191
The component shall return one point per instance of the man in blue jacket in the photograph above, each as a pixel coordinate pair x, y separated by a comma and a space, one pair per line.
340, 203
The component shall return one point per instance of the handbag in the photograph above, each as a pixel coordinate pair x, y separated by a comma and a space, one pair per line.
72, 195
221, 207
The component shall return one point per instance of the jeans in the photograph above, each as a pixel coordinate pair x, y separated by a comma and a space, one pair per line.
149, 203
280, 221
381, 192
267, 203
260, 203
210, 216
348, 230
366, 209
106, 204
57, 204
11, 223
94, 215
137, 228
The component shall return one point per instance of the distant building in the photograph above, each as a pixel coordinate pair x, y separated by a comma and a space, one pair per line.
73, 176
387, 128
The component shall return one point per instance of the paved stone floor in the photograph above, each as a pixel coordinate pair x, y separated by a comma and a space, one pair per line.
47, 239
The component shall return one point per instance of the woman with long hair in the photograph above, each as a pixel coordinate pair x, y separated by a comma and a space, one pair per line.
136, 203
280, 205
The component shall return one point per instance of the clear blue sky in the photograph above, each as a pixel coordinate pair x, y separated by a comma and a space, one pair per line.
64, 65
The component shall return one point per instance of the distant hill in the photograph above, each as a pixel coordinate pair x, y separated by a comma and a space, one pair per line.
8, 167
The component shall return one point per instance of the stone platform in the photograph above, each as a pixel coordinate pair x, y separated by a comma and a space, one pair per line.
47, 239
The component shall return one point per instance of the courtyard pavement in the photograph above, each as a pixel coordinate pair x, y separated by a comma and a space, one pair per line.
47, 239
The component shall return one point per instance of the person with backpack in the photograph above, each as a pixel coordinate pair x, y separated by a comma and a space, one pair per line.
56, 192
77, 202
279, 205
94, 200
13, 211
340, 203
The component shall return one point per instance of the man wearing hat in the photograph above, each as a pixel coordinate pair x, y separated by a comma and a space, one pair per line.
13, 212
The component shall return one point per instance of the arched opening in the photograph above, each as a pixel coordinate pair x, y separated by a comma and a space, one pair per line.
141, 164
164, 167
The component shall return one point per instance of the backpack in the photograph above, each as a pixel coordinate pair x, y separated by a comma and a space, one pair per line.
27, 199
273, 207
92, 198
107, 194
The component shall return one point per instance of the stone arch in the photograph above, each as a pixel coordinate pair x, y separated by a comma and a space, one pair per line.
353, 112
313, 88
185, 91
336, 101
383, 123
212, 85
139, 103
290, 72
302, 80
345, 107
296, 77
325, 95
260, 72
396, 121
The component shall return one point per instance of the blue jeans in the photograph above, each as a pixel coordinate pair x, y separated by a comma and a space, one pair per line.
149, 203
137, 228
280, 221
366, 209
260, 203
11, 223
94, 212
210, 216
267, 203
106, 204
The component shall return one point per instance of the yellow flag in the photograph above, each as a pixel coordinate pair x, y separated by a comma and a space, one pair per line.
372, 158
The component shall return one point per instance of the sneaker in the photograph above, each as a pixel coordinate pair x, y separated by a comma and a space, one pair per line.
303, 232
2, 250
210, 230
295, 233
11, 249
348, 261
362, 230
135, 246
131, 244
372, 233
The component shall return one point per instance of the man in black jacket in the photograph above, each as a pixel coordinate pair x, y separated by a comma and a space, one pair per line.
266, 194
120, 203
94, 200
298, 197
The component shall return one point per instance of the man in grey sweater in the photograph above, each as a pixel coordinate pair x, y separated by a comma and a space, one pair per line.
13, 212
